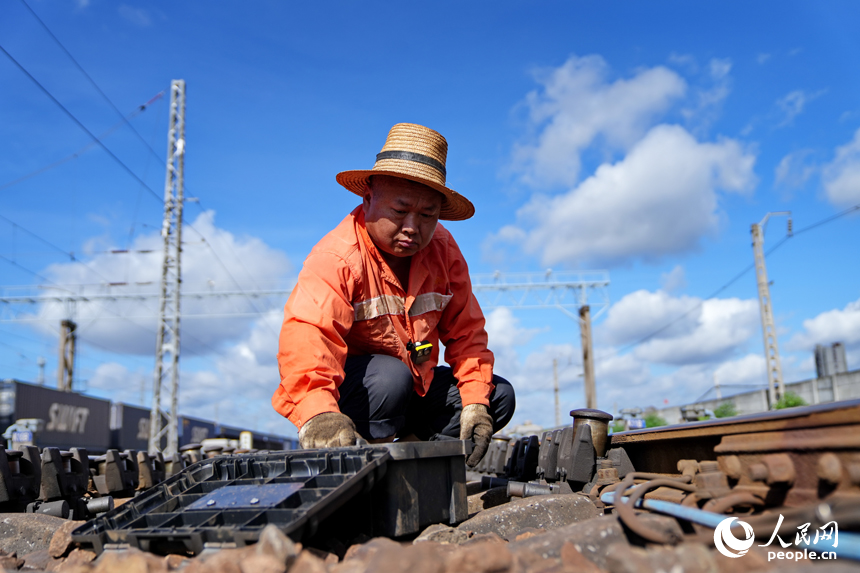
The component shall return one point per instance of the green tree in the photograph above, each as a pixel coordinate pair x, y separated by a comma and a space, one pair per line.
653, 420
725, 410
617, 426
790, 400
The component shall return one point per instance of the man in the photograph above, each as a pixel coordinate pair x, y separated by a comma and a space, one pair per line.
359, 345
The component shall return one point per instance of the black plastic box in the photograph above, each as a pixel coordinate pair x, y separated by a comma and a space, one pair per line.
392, 490
229, 499
424, 483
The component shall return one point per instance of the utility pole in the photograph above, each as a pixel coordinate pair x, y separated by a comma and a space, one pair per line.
66, 366
555, 389
40, 362
587, 356
167, 336
771, 347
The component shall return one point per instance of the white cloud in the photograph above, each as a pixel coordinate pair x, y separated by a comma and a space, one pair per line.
676, 365
505, 335
793, 104
702, 331
503, 329
577, 106
640, 313
235, 387
128, 326
795, 169
719, 68
137, 16
706, 100
842, 176
749, 370
116, 381
674, 280
659, 200
724, 326
837, 325
684, 60
762, 58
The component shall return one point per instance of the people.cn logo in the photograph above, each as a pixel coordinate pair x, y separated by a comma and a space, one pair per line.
727, 543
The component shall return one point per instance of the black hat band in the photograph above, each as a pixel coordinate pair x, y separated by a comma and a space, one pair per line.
414, 157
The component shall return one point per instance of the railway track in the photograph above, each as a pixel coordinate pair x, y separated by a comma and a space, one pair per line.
743, 493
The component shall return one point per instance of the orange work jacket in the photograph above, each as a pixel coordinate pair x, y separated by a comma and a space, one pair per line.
348, 301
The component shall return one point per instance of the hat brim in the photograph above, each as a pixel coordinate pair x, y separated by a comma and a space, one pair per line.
455, 207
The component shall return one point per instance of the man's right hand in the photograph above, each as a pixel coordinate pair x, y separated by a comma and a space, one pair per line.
328, 430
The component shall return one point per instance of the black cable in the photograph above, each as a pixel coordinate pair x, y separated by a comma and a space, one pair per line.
17, 350
119, 161
80, 151
33, 340
81, 125
103, 307
69, 254
738, 276
229, 274
25, 269
91, 80
235, 256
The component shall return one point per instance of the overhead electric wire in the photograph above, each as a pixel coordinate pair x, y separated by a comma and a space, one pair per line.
106, 149
235, 256
80, 125
7, 333
739, 275
119, 113
18, 351
229, 274
25, 269
80, 151
91, 80
103, 307
120, 162
69, 254
116, 159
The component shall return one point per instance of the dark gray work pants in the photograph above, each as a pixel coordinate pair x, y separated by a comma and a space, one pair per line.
377, 394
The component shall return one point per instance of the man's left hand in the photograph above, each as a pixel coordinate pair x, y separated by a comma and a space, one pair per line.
476, 424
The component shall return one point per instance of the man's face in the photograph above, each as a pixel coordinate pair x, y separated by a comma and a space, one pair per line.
400, 215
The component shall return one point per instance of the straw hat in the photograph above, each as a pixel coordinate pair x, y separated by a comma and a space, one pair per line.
416, 153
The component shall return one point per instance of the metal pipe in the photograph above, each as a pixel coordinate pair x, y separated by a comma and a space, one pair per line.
524, 489
849, 543
489, 482
53, 508
98, 505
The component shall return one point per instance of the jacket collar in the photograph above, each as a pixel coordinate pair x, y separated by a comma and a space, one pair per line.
417, 269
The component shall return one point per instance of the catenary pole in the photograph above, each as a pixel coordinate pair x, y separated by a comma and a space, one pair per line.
167, 335
771, 346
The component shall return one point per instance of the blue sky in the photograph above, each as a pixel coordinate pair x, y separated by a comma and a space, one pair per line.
640, 139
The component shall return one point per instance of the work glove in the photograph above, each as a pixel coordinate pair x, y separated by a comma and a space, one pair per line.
476, 424
328, 430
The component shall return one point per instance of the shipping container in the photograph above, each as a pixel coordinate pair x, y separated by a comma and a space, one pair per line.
275, 442
269, 442
129, 426
70, 419
194, 431
229, 432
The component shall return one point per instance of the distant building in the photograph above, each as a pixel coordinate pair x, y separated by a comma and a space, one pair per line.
833, 383
830, 360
